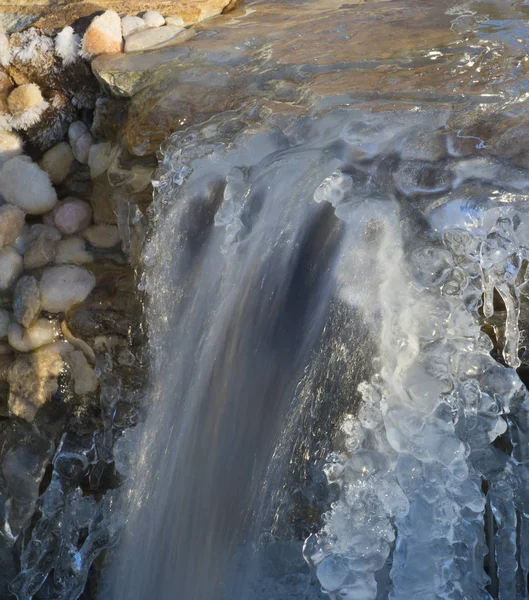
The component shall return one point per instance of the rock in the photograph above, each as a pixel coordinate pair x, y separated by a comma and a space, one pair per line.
57, 162
11, 265
5, 321
64, 286
174, 21
32, 380
26, 104
152, 18
131, 24
41, 246
26, 300
26, 185
42, 333
103, 35
10, 145
83, 374
11, 224
67, 45
81, 140
99, 158
102, 236
5, 50
72, 215
154, 38
73, 251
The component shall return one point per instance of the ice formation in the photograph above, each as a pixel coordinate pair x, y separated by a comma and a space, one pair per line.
427, 496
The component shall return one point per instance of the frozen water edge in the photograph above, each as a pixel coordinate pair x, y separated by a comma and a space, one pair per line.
420, 451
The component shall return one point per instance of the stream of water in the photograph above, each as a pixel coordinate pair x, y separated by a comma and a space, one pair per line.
341, 294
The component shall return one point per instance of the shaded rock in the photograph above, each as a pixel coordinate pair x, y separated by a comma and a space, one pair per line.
57, 162
26, 300
64, 286
109, 115
73, 251
103, 36
153, 18
42, 333
102, 235
11, 224
32, 381
26, 185
5, 321
10, 145
32, 58
130, 24
11, 265
72, 215
85, 380
41, 246
152, 38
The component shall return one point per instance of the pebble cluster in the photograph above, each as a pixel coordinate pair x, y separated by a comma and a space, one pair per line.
49, 237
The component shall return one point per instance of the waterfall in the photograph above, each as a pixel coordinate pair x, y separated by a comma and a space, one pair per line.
260, 233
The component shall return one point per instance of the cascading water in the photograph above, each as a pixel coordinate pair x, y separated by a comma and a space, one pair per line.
346, 285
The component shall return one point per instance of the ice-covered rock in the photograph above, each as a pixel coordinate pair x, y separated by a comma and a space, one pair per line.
41, 246
130, 24
102, 235
26, 105
152, 38
11, 224
64, 286
67, 45
72, 250
83, 374
32, 380
81, 140
26, 300
99, 158
42, 333
11, 265
153, 18
25, 184
103, 35
10, 145
57, 162
72, 215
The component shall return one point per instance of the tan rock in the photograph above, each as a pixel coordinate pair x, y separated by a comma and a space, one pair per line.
41, 246
32, 380
57, 162
102, 236
11, 224
103, 35
26, 300
153, 38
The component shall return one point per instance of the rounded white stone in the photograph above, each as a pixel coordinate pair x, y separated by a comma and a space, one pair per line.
57, 162
174, 21
102, 236
153, 18
10, 145
43, 332
11, 224
81, 149
26, 185
99, 158
64, 286
11, 265
72, 215
152, 38
73, 251
130, 24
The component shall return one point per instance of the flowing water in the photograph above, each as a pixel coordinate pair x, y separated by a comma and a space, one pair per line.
336, 284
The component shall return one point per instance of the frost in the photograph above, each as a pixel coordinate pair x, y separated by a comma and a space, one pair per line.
67, 45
